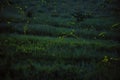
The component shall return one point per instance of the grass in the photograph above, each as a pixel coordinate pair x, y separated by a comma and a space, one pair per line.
33, 57
48, 30
48, 47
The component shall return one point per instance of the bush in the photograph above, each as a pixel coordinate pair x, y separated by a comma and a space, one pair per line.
80, 15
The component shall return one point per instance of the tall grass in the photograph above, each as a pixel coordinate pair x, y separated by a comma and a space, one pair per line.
32, 57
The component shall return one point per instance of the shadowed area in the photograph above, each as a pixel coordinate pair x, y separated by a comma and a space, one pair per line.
59, 40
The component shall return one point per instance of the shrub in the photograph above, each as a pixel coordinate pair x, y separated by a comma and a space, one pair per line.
80, 15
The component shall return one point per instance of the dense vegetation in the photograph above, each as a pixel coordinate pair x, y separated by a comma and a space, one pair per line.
59, 40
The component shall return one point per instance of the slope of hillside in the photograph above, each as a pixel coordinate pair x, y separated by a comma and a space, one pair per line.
59, 40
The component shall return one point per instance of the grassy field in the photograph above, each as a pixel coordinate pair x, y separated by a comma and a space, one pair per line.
55, 47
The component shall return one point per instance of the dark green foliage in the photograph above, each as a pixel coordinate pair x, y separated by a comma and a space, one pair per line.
116, 27
29, 14
30, 57
80, 15
6, 2
40, 40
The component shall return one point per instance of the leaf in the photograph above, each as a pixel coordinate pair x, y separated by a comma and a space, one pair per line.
105, 59
102, 34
